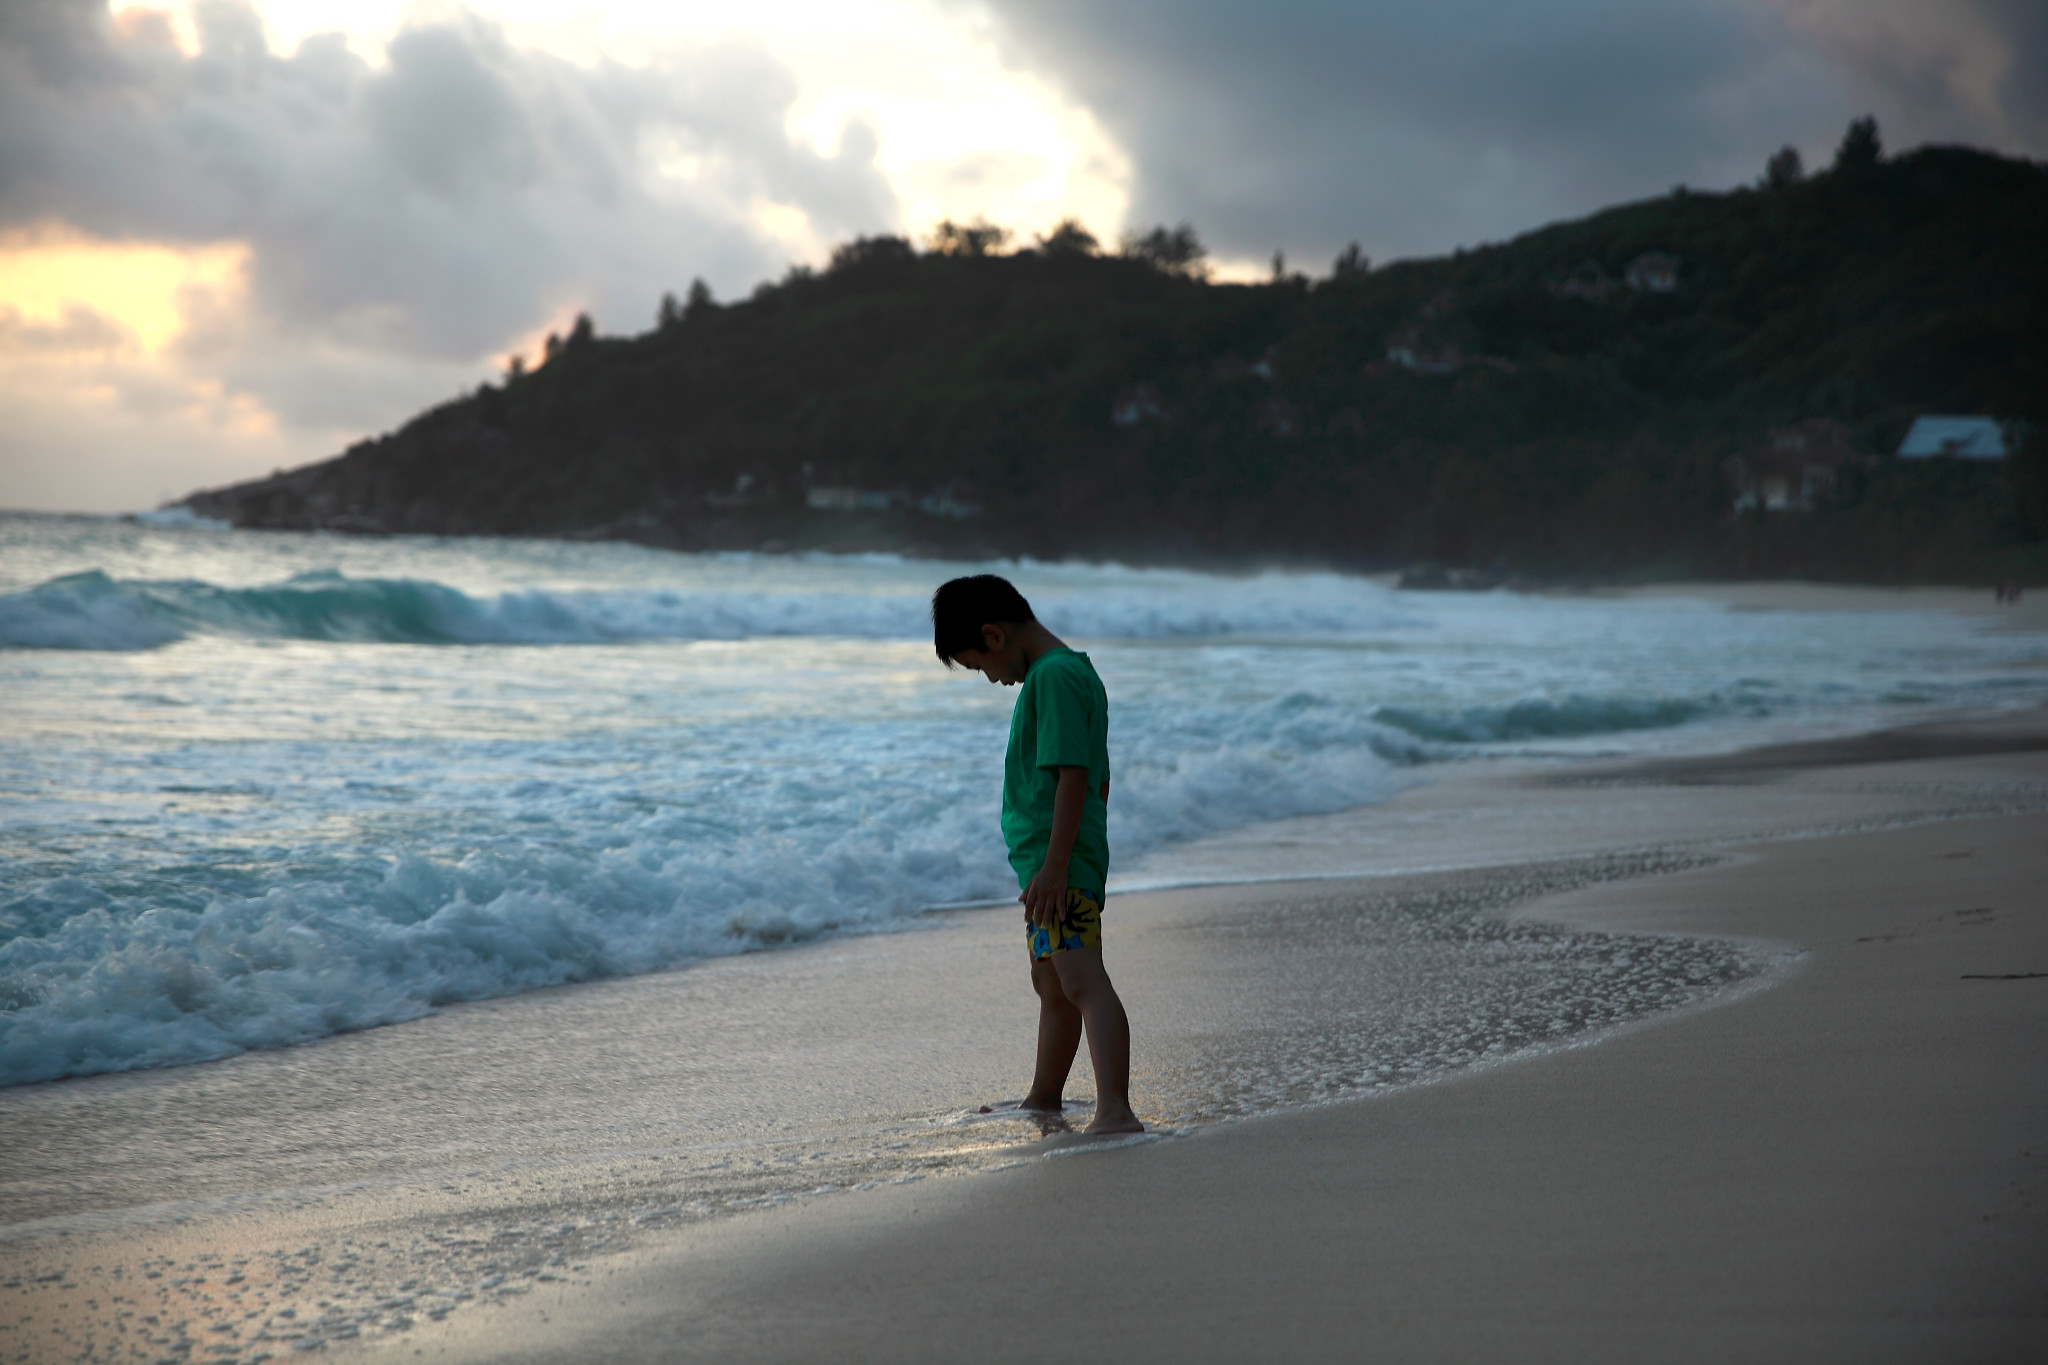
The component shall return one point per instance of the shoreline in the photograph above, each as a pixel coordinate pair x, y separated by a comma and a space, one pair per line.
1793, 594
1850, 1163
1509, 808
456, 1058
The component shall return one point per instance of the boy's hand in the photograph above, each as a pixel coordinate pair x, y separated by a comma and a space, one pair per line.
1046, 896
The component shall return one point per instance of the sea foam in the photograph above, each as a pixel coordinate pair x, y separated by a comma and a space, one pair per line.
102, 979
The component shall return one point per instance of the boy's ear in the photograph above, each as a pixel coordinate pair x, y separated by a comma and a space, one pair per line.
995, 637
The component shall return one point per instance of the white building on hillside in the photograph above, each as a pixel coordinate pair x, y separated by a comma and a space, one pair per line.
1653, 272
1962, 438
823, 498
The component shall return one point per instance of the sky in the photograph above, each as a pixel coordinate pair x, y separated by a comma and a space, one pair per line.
237, 235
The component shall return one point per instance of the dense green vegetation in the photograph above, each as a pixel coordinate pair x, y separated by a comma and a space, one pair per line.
1581, 429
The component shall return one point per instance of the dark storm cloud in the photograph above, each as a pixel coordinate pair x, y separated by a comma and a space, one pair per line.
437, 206
2024, 26
1939, 70
1301, 124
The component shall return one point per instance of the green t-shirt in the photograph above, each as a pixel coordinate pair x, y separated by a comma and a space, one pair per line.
1061, 720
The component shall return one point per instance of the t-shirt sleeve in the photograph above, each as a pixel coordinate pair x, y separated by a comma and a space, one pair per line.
1063, 708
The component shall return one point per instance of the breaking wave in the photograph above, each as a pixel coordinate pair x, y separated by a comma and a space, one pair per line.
112, 973
92, 611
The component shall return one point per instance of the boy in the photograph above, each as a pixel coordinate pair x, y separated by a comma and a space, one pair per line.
1055, 813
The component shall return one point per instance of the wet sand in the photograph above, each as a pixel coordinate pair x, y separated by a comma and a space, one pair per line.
362, 1189
1849, 1165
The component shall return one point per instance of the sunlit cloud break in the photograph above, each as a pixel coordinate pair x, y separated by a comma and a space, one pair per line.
333, 237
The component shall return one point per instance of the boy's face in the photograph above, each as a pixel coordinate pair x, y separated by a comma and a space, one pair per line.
1003, 659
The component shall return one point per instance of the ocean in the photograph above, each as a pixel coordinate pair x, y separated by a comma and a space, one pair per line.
261, 788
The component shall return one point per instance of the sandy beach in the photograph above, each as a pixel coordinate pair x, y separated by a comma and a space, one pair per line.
1850, 1164
1785, 1106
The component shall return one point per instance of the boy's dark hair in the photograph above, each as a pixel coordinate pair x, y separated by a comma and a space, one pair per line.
962, 606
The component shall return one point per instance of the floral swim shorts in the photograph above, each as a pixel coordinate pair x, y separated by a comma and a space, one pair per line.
1078, 926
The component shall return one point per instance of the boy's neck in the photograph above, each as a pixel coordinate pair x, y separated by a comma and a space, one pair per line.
1034, 642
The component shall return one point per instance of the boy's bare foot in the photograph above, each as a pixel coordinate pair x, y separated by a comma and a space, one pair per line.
1120, 1121
1032, 1104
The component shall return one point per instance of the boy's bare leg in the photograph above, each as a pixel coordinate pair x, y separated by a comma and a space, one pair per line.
1084, 982
1059, 1038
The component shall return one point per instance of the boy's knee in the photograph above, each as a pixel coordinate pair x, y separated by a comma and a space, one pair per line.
1079, 974
1045, 979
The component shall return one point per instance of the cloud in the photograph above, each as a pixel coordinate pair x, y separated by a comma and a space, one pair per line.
60, 449
1963, 70
987, 171
406, 220
79, 330
439, 203
1302, 124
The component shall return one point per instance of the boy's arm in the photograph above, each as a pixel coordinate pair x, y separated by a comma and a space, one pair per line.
1047, 893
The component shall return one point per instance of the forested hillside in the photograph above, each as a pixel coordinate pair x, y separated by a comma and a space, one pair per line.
1527, 408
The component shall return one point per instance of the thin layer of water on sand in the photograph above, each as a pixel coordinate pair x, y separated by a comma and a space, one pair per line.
347, 1190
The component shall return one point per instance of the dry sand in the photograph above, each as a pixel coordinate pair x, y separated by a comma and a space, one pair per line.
1849, 1165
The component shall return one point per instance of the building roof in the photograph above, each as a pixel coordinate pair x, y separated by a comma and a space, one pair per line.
1968, 438
1656, 271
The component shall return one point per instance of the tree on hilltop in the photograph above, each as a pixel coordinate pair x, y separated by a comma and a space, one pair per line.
581, 334
699, 301
1069, 238
867, 251
1784, 168
1861, 148
978, 238
1177, 251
